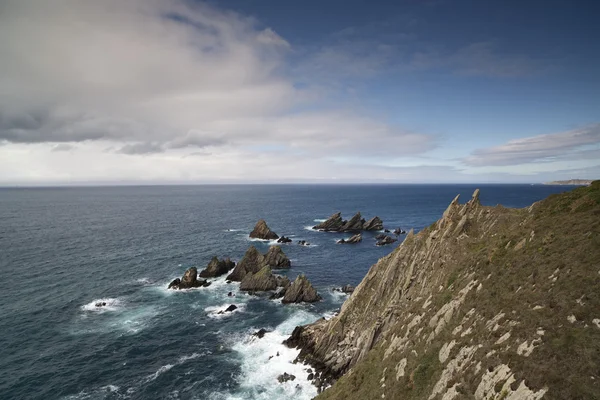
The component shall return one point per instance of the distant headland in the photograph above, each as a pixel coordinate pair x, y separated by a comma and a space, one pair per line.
581, 182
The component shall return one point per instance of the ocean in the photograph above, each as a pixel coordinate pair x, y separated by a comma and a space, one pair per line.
64, 249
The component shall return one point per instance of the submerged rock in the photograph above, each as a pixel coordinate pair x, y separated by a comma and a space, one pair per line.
188, 281
353, 239
284, 239
252, 261
303, 243
217, 267
101, 304
381, 236
286, 377
399, 231
276, 258
261, 281
262, 231
332, 224
374, 224
260, 333
386, 240
231, 308
301, 291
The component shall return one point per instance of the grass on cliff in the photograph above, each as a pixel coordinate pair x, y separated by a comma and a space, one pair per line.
551, 279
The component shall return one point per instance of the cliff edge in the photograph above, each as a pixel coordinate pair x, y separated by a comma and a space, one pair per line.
486, 303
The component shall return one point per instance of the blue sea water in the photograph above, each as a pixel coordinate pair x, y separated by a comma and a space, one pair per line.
64, 249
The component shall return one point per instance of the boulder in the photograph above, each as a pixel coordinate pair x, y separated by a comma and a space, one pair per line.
217, 267
188, 281
381, 236
399, 231
285, 377
353, 239
261, 281
284, 239
260, 333
303, 243
252, 261
386, 230
276, 258
355, 223
231, 308
348, 289
374, 224
262, 231
386, 240
332, 224
301, 291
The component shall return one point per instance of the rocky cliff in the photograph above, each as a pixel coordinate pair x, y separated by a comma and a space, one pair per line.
486, 303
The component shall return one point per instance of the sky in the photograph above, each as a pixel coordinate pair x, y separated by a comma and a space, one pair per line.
271, 91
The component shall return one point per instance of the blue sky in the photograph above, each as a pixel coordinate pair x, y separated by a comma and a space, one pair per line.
311, 91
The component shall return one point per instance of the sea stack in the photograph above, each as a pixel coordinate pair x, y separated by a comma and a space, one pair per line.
276, 258
217, 267
301, 290
252, 261
188, 281
332, 224
262, 231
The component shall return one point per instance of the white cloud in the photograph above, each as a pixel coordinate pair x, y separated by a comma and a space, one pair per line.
161, 79
542, 148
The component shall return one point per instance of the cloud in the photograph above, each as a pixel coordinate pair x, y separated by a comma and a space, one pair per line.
141, 148
549, 147
155, 77
63, 147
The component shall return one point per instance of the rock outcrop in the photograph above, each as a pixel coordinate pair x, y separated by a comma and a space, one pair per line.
260, 281
262, 231
276, 258
482, 304
252, 261
374, 224
301, 290
332, 224
386, 240
353, 239
355, 224
284, 239
188, 281
217, 267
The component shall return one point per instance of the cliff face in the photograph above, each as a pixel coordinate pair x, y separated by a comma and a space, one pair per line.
486, 303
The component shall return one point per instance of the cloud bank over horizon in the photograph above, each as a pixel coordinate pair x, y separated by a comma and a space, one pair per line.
181, 91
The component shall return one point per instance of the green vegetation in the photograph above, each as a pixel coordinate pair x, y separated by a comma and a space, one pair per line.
549, 283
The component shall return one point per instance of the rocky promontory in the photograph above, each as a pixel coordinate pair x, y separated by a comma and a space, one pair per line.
487, 303
262, 231
335, 223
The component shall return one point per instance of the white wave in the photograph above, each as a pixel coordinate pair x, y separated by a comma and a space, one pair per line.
143, 281
110, 305
310, 228
320, 219
234, 230
263, 360
213, 311
159, 372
